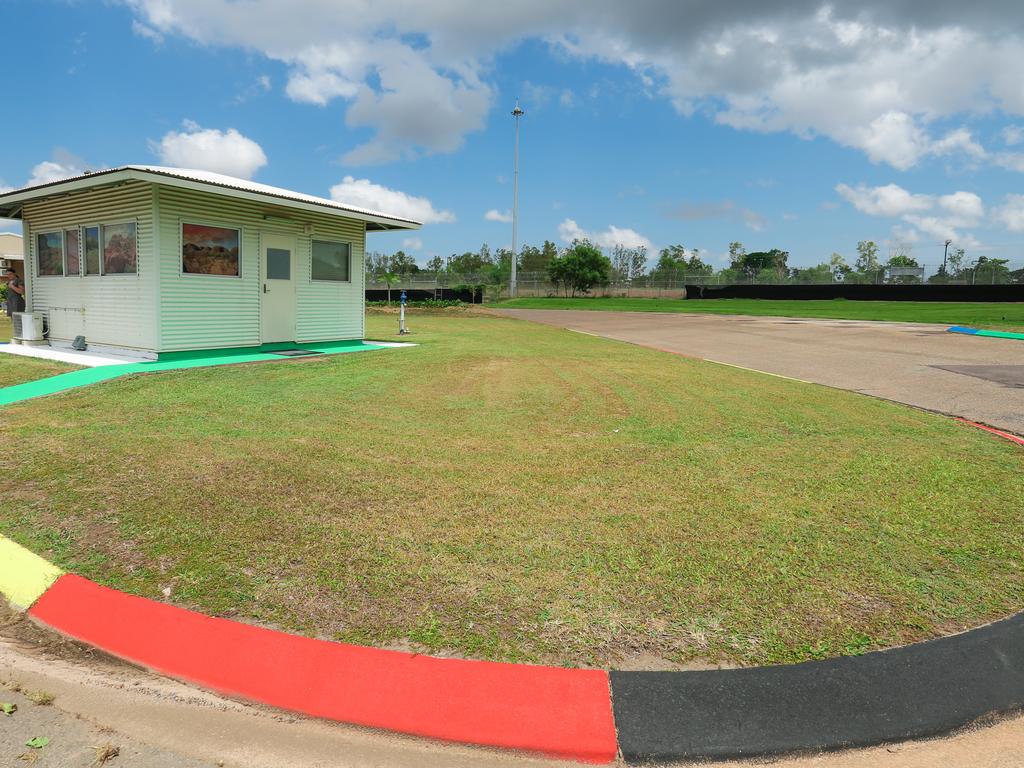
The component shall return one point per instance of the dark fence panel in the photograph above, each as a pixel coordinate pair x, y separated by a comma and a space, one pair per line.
416, 294
927, 292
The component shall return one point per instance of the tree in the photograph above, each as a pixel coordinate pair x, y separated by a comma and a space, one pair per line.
403, 264
736, 252
580, 268
820, 273
955, 262
839, 268
671, 262
761, 265
694, 265
468, 263
390, 278
992, 271
867, 257
902, 259
435, 265
629, 263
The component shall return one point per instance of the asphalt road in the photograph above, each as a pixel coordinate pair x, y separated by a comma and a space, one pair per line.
975, 377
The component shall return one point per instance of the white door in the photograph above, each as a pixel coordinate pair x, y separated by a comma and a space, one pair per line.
277, 307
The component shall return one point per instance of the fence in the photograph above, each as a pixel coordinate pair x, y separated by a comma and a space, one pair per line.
531, 284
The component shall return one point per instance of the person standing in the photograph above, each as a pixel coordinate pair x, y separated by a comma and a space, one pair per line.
15, 292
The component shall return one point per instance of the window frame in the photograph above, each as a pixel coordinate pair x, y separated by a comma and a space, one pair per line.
329, 281
201, 223
64, 234
60, 236
103, 248
99, 249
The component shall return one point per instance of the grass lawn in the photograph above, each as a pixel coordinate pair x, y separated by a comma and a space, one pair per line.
16, 370
512, 491
999, 316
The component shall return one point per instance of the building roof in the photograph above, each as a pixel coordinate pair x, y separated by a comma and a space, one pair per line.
11, 202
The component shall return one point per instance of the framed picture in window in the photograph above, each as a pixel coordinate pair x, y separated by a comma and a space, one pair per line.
210, 250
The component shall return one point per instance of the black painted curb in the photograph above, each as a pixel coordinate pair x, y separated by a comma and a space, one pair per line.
916, 691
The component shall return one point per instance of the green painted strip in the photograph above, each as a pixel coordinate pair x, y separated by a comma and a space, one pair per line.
177, 361
24, 576
1001, 334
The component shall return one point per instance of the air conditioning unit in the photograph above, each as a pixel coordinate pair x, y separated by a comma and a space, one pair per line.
28, 328
5, 263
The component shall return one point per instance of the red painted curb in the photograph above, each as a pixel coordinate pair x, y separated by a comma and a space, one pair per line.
1005, 435
558, 712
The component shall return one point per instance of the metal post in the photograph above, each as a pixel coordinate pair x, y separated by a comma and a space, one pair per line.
402, 330
944, 252
516, 113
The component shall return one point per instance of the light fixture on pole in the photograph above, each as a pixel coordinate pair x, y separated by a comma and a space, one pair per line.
516, 113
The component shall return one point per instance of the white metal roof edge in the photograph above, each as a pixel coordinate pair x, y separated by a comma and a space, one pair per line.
258, 192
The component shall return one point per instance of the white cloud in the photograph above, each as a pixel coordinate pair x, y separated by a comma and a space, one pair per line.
963, 209
49, 171
569, 230
209, 149
412, 243
1013, 135
871, 75
941, 217
1011, 213
495, 215
147, 32
894, 138
889, 200
1011, 161
365, 194
959, 140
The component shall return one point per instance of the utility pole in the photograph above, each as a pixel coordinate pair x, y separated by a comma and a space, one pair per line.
945, 252
516, 113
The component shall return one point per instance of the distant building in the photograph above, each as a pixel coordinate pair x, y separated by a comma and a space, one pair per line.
12, 252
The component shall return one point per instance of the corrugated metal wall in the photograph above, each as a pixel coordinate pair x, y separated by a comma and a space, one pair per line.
118, 310
203, 311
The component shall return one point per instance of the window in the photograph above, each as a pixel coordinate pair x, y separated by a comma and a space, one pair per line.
209, 250
72, 253
119, 249
279, 264
49, 253
91, 243
331, 261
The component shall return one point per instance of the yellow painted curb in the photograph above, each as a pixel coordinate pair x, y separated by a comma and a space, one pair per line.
24, 576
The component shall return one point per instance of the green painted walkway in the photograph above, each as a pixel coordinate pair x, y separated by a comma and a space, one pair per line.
171, 362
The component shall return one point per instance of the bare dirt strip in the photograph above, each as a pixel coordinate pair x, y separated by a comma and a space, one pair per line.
974, 377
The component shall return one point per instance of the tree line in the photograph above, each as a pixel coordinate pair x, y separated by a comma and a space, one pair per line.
583, 266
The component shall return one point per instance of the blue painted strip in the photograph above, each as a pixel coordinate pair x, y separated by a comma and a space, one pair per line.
962, 329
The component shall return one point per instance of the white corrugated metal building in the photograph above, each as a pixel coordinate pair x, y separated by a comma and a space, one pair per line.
153, 260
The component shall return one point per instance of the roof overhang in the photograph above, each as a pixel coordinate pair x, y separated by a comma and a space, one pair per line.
11, 203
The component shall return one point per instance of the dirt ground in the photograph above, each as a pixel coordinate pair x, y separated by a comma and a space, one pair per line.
975, 377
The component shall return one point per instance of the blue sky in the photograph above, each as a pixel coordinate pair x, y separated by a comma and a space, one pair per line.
788, 125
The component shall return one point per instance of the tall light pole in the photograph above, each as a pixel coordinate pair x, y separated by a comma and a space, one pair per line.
945, 251
516, 113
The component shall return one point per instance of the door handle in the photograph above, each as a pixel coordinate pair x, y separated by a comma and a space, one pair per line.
264, 287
